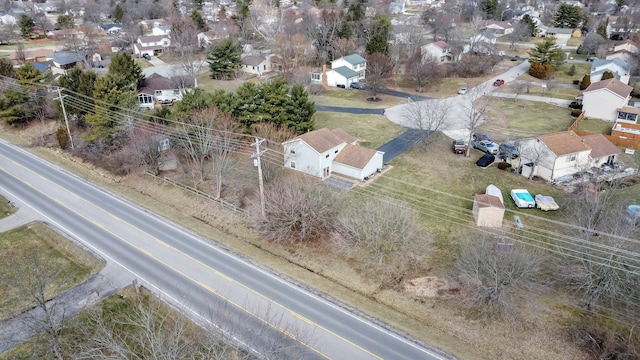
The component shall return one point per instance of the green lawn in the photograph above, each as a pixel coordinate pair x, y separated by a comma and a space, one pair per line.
574, 41
354, 98
56, 254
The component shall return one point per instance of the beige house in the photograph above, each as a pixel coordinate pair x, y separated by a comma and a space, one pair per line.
439, 50
603, 99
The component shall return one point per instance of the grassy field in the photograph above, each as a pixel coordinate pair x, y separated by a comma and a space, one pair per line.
354, 98
371, 130
596, 126
574, 41
18, 246
5, 208
509, 118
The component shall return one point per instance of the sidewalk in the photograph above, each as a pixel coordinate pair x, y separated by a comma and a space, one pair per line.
23, 216
544, 99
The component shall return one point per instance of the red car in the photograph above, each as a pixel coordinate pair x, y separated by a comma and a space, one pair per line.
498, 82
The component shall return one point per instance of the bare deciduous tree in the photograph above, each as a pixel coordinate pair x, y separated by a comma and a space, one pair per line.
195, 140
267, 18
474, 106
225, 142
379, 69
427, 116
424, 70
145, 145
490, 271
297, 210
532, 152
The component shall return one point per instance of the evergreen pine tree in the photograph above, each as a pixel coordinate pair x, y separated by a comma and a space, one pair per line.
224, 60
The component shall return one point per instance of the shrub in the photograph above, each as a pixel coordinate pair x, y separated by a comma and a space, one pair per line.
572, 70
586, 81
63, 137
504, 165
540, 71
607, 75
576, 82
576, 112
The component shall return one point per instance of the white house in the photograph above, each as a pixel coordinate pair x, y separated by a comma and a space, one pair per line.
344, 71
322, 152
499, 27
111, 29
626, 51
163, 90
8, 19
439, 50
602, 152
256, 64
554, 155
603, 99
151, 44
482, 43
161, 30
620, 69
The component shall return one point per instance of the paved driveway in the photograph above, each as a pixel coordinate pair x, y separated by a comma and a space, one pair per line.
348, 110
402, 143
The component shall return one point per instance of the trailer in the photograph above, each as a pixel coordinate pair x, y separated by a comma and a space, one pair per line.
546, 203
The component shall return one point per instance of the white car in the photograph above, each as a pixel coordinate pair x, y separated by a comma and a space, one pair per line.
523, 199
462, 91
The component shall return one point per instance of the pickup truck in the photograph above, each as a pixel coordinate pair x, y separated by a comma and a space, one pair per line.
459, 147
498, 82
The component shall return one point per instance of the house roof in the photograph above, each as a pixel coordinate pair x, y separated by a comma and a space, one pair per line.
614, 85
152, 38
356, 156
320, 140
603, 63
563, 143
354, 59
501, 24
158, 82
486, 200
253, 60
346, 137
65, 58
110, 26
441, 44
32, 54
600, 146
41, 66
629, 109
557, 30
346, 72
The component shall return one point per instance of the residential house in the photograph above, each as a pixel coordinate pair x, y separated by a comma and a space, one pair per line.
163, 90
482, 43
562, 35
111, 29
256, 64
207, 38
440, 51
65, 34
63, 61
161, 30
499, 27
602, 150
344, 71
606, 99
29, 56
554, 155
322, 152
620, 27
620, 69
626, 51
153, 44
8, 19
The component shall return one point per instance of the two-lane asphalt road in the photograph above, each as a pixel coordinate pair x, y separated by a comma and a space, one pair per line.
269, 315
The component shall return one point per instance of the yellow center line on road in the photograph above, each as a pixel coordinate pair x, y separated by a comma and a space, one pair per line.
226, 277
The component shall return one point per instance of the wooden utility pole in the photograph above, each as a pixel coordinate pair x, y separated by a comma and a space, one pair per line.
257, 162
64, 112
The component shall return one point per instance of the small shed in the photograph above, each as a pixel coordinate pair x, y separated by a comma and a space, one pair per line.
488, 208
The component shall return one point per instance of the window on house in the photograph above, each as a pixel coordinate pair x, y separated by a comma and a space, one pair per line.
176, 92
265, 67
293, 151
315, 76
293, 164
335, 152
157, 92
327, 156
571, 158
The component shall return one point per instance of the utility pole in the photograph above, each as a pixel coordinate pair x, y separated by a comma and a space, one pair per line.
64, 112
257, 162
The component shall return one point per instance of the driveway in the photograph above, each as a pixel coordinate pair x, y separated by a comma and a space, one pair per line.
459, 105
402, 143
348, 110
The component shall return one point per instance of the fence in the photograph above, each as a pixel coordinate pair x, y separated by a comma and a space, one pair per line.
198, 192
618, 138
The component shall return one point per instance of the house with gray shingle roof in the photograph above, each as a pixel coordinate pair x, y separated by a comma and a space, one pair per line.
322, 152
256, 64
618, 67
604, 99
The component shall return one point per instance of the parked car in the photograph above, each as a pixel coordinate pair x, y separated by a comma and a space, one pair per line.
522, 198
462, 91
146, 56
486, 160
481, 136
498, 82
508, 150
342, 86
459, 147
488, 147
357, 85
591, 58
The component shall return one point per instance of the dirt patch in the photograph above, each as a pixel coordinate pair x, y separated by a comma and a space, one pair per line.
431, 287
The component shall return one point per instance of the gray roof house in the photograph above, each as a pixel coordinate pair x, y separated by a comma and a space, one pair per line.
621, 69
